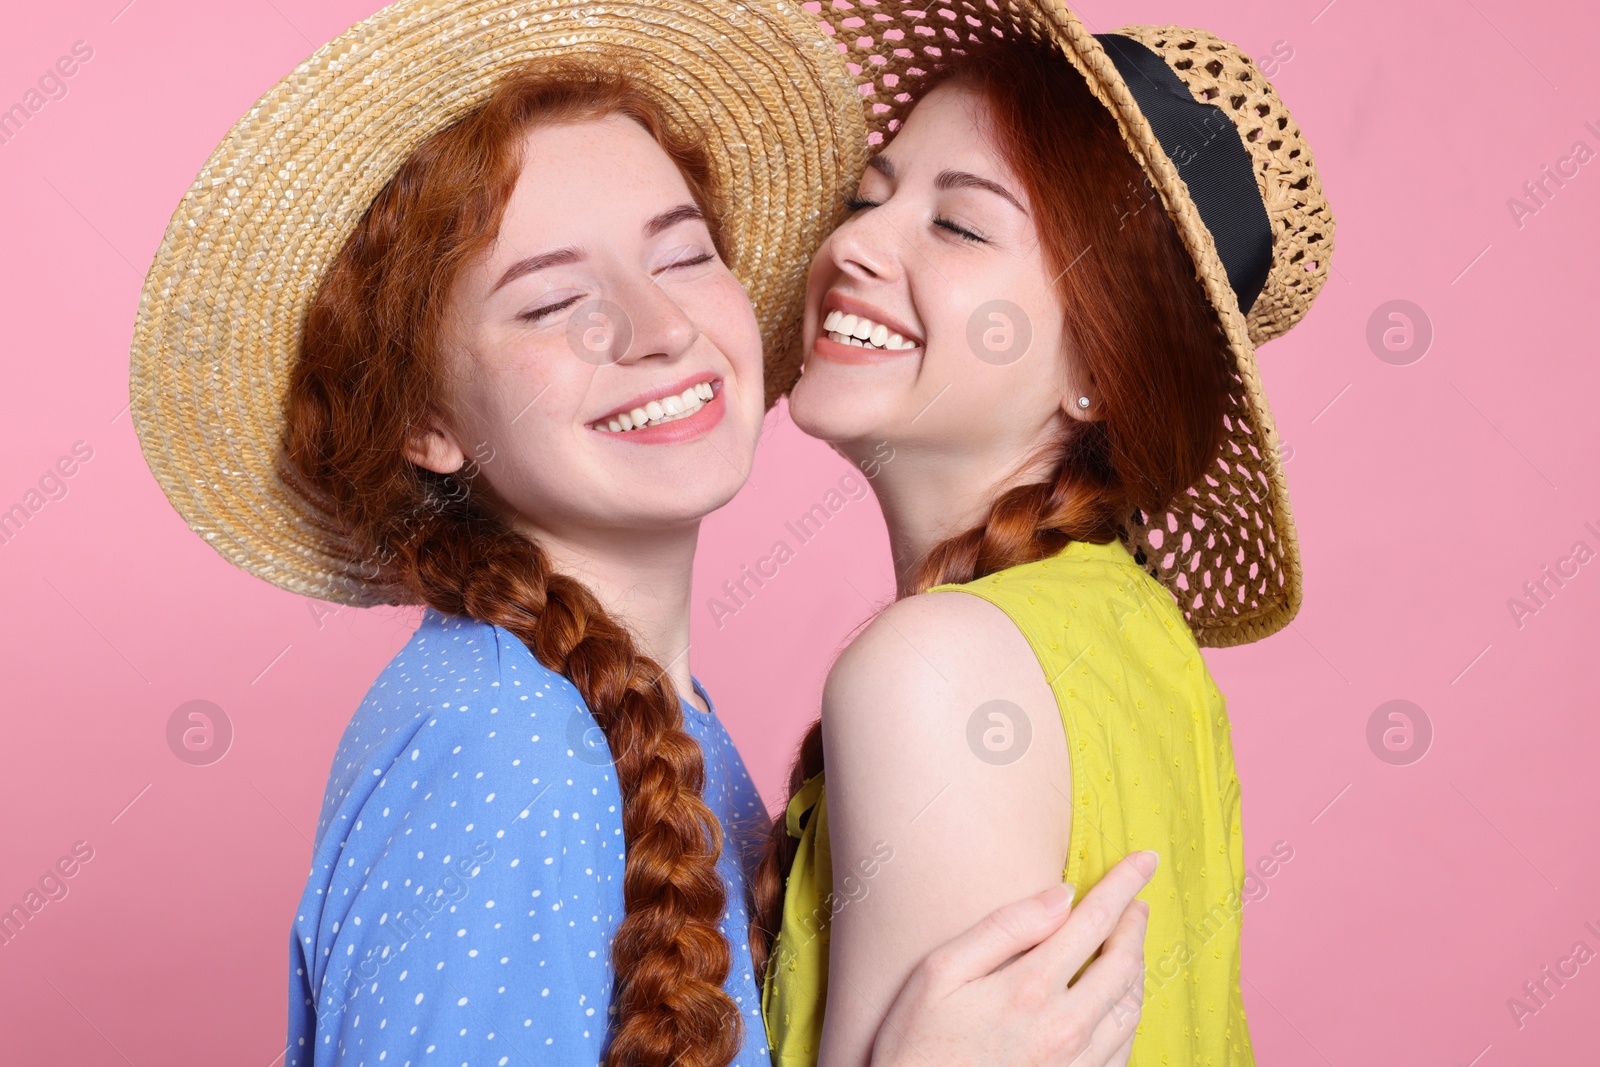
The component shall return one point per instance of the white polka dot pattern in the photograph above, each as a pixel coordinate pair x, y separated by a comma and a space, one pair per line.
466, 882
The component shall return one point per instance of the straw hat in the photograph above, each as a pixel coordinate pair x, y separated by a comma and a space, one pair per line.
1236, 175
223, 307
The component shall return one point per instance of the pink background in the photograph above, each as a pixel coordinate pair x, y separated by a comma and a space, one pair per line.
1419, 898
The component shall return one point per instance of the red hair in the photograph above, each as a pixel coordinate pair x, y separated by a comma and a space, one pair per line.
369, 374
1142, 332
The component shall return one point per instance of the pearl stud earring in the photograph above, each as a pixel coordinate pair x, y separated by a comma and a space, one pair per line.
1083, 401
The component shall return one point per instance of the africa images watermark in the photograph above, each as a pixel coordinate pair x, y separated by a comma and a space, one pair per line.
1541, 191
855, 891
1539, 591
52, 887
456, 488
52, 486
398, 928
199, 732
1220, 918
738, 592
51, 85
1537, 994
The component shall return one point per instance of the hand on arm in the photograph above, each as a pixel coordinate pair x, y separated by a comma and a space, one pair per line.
944, 744
964, 1004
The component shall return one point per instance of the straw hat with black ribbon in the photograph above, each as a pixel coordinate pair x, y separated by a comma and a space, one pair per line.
1236, 175
223, 307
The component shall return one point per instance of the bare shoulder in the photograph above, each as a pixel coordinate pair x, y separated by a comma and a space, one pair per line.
930, 640
935, 673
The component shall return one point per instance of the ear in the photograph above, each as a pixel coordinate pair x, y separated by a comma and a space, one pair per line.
436, 449
1082, 402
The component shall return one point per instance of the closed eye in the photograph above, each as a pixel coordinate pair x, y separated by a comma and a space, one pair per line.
693, 261
549, 309
856, 203
960, 231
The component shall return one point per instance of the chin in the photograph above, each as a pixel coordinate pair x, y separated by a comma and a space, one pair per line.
838, 411
662, 509
701, 489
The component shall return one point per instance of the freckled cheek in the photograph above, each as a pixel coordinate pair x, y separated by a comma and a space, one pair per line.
529, 418
730, 324
546, 367
743, 381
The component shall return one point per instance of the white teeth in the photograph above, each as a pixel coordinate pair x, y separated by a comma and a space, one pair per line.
893, 342
863, 333
666, 409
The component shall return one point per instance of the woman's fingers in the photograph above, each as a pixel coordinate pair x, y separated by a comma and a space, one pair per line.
1119, 969
1094, 917
997, 937
1122, 1055
963, 1004
1114, 984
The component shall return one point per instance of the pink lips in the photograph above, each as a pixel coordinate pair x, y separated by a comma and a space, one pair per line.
678, 430
656, 394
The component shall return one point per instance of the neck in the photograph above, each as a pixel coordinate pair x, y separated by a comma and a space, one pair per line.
927, 498
643, 580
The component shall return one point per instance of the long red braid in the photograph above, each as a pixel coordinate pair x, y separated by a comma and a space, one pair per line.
1142, 331
370, 371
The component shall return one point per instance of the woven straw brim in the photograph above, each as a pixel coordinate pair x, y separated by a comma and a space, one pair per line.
223, 307
1226, 548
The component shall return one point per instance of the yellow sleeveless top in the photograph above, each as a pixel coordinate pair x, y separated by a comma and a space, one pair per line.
1152, 767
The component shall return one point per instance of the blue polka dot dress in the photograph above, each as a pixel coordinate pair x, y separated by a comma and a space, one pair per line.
466, 881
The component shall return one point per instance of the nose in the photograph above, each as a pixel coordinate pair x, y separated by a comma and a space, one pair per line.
867, 246
647, 323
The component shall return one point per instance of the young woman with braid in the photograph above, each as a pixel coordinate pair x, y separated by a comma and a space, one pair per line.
1055, 357
533, 841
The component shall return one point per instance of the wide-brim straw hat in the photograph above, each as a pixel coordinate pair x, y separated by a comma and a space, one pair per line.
1236, 175
223, 308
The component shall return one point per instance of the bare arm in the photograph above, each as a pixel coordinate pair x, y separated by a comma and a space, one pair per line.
976, 813
966, 1004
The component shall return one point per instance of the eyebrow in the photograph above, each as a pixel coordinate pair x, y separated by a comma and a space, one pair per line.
960, 179
950, 179
671, 217
560, 257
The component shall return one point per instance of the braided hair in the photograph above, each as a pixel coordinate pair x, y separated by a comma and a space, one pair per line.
1142, 331
368, 375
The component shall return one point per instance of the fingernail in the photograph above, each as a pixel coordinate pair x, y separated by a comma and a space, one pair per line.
1147, 861
1057, 898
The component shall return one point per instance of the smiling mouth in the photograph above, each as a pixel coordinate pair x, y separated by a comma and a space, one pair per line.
862, 332
669, 407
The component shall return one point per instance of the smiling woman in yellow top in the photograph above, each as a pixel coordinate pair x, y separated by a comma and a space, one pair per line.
1047, 302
